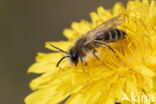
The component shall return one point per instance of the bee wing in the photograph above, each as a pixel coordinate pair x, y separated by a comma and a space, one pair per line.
104, 27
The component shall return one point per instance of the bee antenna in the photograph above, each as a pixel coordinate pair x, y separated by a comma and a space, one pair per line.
59, 49
61, 60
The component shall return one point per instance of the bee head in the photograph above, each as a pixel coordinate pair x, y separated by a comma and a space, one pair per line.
74, 55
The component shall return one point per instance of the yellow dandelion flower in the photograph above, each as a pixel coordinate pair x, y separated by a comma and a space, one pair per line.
129, 78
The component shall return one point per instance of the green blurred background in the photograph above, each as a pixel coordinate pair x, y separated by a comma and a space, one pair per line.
25, 26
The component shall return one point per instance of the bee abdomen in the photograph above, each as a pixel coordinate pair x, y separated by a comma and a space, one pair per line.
112, 35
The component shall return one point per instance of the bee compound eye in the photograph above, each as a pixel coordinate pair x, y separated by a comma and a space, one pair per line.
74, 56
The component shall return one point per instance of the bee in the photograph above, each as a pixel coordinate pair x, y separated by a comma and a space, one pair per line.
99, 36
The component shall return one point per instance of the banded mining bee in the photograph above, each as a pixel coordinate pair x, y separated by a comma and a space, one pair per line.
100, 36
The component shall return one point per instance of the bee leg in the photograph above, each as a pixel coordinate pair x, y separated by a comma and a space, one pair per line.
81, 60
101, 43
94, 54
111, 48
81, 63
107, 45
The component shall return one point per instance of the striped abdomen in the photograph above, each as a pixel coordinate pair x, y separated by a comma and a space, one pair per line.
112, 35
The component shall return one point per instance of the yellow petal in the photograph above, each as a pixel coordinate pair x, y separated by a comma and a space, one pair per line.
118, 9
69, 33
45, 63
45, 96
103, 13
151, 60
145, 71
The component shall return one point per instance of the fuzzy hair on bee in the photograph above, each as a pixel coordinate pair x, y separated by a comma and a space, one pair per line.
101, 35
